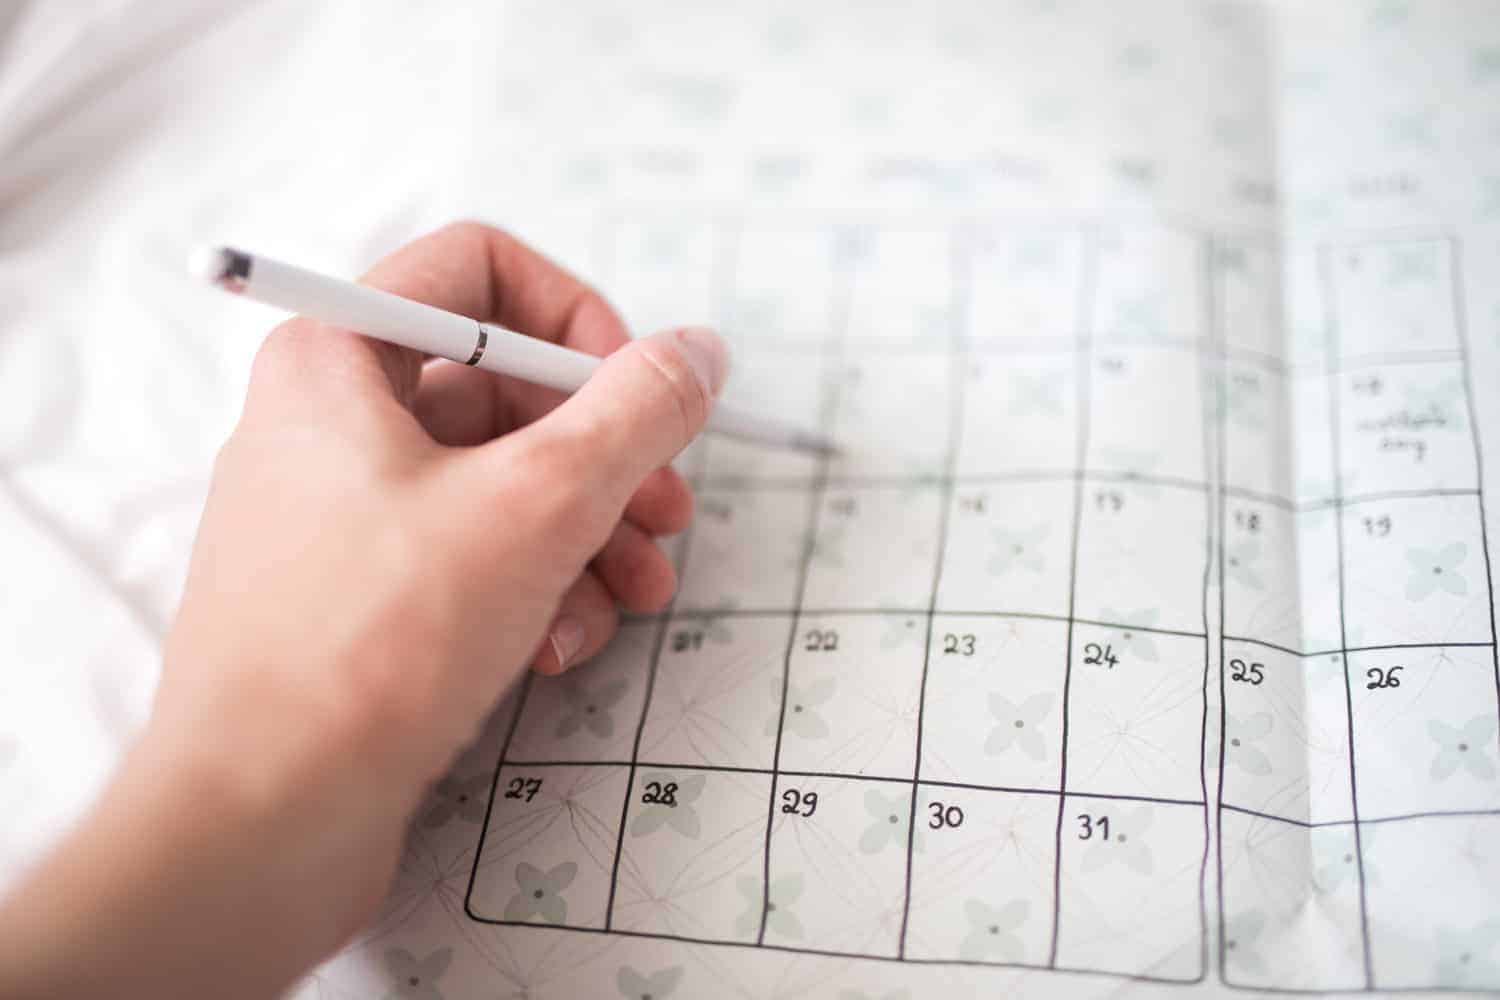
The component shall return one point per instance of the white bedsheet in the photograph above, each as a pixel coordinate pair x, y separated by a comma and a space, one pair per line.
129, 133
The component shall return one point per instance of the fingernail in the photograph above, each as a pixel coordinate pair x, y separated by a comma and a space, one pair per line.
567, 639
705, 354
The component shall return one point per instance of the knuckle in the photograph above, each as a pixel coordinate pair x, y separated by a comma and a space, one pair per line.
678, 382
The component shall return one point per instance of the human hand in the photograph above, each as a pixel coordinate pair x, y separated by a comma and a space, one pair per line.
384, 547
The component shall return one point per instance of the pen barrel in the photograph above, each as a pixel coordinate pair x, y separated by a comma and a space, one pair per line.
420, 327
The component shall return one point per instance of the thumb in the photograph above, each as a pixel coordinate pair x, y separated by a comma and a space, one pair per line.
646, 402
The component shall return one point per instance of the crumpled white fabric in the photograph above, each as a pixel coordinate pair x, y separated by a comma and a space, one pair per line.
130, 132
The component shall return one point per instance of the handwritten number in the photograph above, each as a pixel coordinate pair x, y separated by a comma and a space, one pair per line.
799, 803
1088, 826
1378, 527
1252, 674
523, 788
661, 793
1383, 678
960, 645
819, 640
944, 816
1095, 653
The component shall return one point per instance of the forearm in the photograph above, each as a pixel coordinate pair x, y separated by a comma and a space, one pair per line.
180, 882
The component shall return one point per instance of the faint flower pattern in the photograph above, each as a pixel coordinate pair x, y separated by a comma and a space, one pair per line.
1241, 939
1241, 750
465, 799
589, 709
657, 986
539, 893
679, 813
800, 715
1485, 62
413, 979
778, 902
1019, 725
1040, 392
828, 546
1411, 263
1015, 549
1436, 569
899, 632
1240, 564
1125, 845
1463, 748
887, 822
1140, 314
1334, 858
1466, 957
1129, 626
992, 930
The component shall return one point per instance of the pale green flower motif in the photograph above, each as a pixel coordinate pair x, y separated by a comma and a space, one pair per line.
992, 931
1240, 562
1484, 62
828, 546
1137, 58
1132, 464
1037, 392
784, 892
1140, 314
1412, 263
414, 979
1466, 958
887, 822
589, 708
658, 985
1019, 725
539, 893
900, 632
674, 808
463, 798
1243, 402
800, 715
1128, 626
1467, 747
1411, 129
1241, 934
1242, 735
1018, 549
1436, 569
1125, 845
1334, 860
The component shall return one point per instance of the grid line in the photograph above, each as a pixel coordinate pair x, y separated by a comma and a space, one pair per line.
957, 364
831, 386
1083, 372
1336, 416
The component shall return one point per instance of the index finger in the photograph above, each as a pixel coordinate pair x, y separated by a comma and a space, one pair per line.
489, 275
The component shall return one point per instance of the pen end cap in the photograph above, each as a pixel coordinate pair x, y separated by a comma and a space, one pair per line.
220, 266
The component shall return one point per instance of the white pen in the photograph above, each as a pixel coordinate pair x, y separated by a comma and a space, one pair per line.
435, 331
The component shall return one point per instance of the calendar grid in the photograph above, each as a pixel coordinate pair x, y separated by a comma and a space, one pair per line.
1362, 820
1087, 348
956, 351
